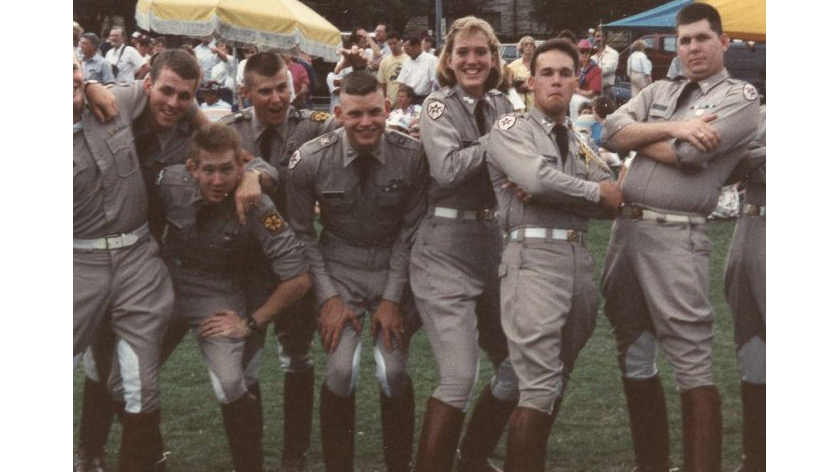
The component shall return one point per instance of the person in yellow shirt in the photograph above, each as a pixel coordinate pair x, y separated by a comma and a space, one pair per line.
520, 69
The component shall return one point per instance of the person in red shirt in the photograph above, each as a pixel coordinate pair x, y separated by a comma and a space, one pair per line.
590, 73
301, 81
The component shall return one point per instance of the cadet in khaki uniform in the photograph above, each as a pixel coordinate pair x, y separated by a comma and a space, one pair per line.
370, 183
118, 272
689, 134
274, 130
454, 261
162, 125
548, 291
206, 248
745, 291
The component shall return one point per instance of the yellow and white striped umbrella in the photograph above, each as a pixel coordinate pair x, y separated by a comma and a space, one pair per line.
280, 24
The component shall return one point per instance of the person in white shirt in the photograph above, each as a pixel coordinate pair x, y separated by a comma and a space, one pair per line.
639, 68
607, 58
206, 57
125, 58
419, 70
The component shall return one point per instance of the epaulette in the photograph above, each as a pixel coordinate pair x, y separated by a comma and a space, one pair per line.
402, 140
244, 115
175, 175
677, 78
495, 92
445, 91
321, 142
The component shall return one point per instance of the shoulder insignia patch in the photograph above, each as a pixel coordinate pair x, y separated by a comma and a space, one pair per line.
750, 92
235, 117
507, 122
295, 158
273, 222
319, 116
435, 109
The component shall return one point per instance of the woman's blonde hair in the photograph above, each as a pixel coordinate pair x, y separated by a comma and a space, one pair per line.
469, 24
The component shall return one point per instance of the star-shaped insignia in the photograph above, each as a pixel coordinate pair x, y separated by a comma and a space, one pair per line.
435, 109
750, 92
319, 116
507, 122
272, 222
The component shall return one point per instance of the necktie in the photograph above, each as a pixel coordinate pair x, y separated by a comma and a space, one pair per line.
266, 143
479, 117
364, 169
561, 134
686, 93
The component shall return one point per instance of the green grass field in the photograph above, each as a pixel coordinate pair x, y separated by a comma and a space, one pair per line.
591, 434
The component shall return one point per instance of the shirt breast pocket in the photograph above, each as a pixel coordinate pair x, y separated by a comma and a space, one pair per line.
121, 145
391, 201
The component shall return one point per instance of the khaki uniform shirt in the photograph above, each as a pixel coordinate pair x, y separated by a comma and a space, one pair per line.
455, 149
209, 238
522, 149
108, 192
374, 225
693, 185
299, 126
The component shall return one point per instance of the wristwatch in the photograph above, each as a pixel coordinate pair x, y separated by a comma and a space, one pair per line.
89, 82
252, 325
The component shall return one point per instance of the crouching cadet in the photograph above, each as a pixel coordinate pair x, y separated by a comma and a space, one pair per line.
205, 247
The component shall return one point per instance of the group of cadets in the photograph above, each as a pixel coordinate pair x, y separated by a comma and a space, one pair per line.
477, 233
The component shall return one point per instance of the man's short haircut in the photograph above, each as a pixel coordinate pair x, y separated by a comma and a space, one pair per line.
559, 45
266, 64
698, 12
412, 39
359, 83
92, 38
394, 35
567, 35
470, 24
214, 138
159, 40
178, 61
121, 31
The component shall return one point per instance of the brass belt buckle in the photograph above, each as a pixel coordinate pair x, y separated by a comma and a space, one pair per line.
752, 210
573, 236
484, 214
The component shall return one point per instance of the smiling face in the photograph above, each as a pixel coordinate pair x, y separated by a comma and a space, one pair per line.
270, 96
701, 50
363, 117
217, 173
170, 96
554, 83
471, 61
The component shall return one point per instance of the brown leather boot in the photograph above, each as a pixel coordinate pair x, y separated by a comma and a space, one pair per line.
754, 427
337, 429
702, 429
398, 430
141, 447
489, 418
94, 426
298, 401
440, 434
648, 423
527, 442
242, 424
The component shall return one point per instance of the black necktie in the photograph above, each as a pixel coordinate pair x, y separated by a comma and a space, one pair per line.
686, 93
561, 134
479, 117
364, 169
266, 142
